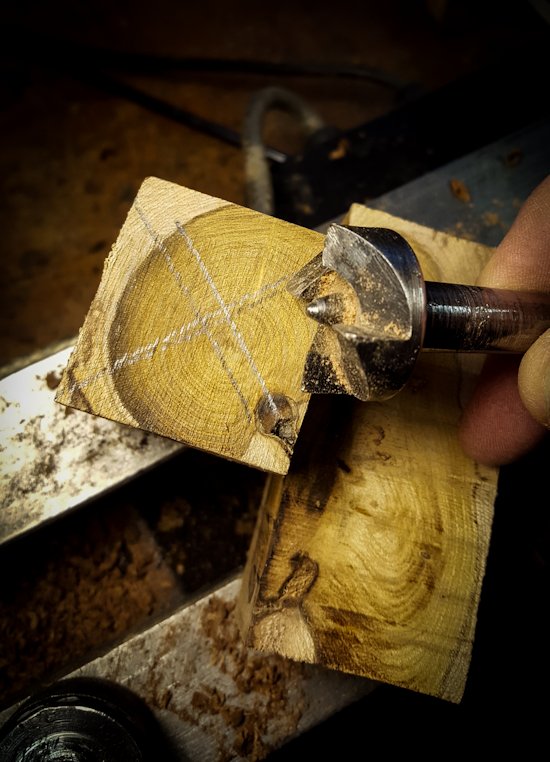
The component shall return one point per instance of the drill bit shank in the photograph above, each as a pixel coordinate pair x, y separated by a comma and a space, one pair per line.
479, 319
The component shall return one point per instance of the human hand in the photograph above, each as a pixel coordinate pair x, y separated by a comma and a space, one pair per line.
509, 411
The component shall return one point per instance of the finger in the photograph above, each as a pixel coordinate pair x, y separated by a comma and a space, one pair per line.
496, 427
522, 260
534, 380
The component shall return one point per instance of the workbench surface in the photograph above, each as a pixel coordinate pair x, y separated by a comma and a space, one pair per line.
72, 159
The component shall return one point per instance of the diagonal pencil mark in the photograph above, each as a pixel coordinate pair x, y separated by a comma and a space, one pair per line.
239, 338
179, 280
183, 288
183, 334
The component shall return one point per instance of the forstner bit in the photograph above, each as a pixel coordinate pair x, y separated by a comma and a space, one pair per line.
376, 312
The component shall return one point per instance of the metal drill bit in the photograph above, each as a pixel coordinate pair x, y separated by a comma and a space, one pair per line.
377, 312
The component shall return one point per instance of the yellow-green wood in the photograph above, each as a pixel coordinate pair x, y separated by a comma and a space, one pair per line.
369, 555
192, 333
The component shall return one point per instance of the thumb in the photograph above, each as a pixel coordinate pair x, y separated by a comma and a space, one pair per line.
534, 379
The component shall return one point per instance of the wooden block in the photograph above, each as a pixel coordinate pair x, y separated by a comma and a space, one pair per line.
192, 334
369, 556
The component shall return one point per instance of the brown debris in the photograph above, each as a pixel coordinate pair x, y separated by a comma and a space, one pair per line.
493, 219
53, 380
340, 151
172, 515
78, 591
513, 158
460, 191
265, 678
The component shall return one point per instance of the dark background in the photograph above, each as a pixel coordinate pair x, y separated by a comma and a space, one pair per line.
72, 157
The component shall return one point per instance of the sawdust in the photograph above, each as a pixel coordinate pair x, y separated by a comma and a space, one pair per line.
513, 158
264, 678
460, 190
461, 231
53, 380
47, 437
78, 590
172, 515
204, 516
493, 219
92, 577
340, 151
31, 477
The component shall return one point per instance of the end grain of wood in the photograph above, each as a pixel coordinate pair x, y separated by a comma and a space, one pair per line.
192, 332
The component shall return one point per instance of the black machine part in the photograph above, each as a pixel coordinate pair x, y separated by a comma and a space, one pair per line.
83, 720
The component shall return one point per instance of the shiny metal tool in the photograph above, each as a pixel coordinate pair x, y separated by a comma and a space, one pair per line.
376, 312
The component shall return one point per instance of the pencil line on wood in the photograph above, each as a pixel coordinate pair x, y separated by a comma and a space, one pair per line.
239, 338
183, 334
179, 280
